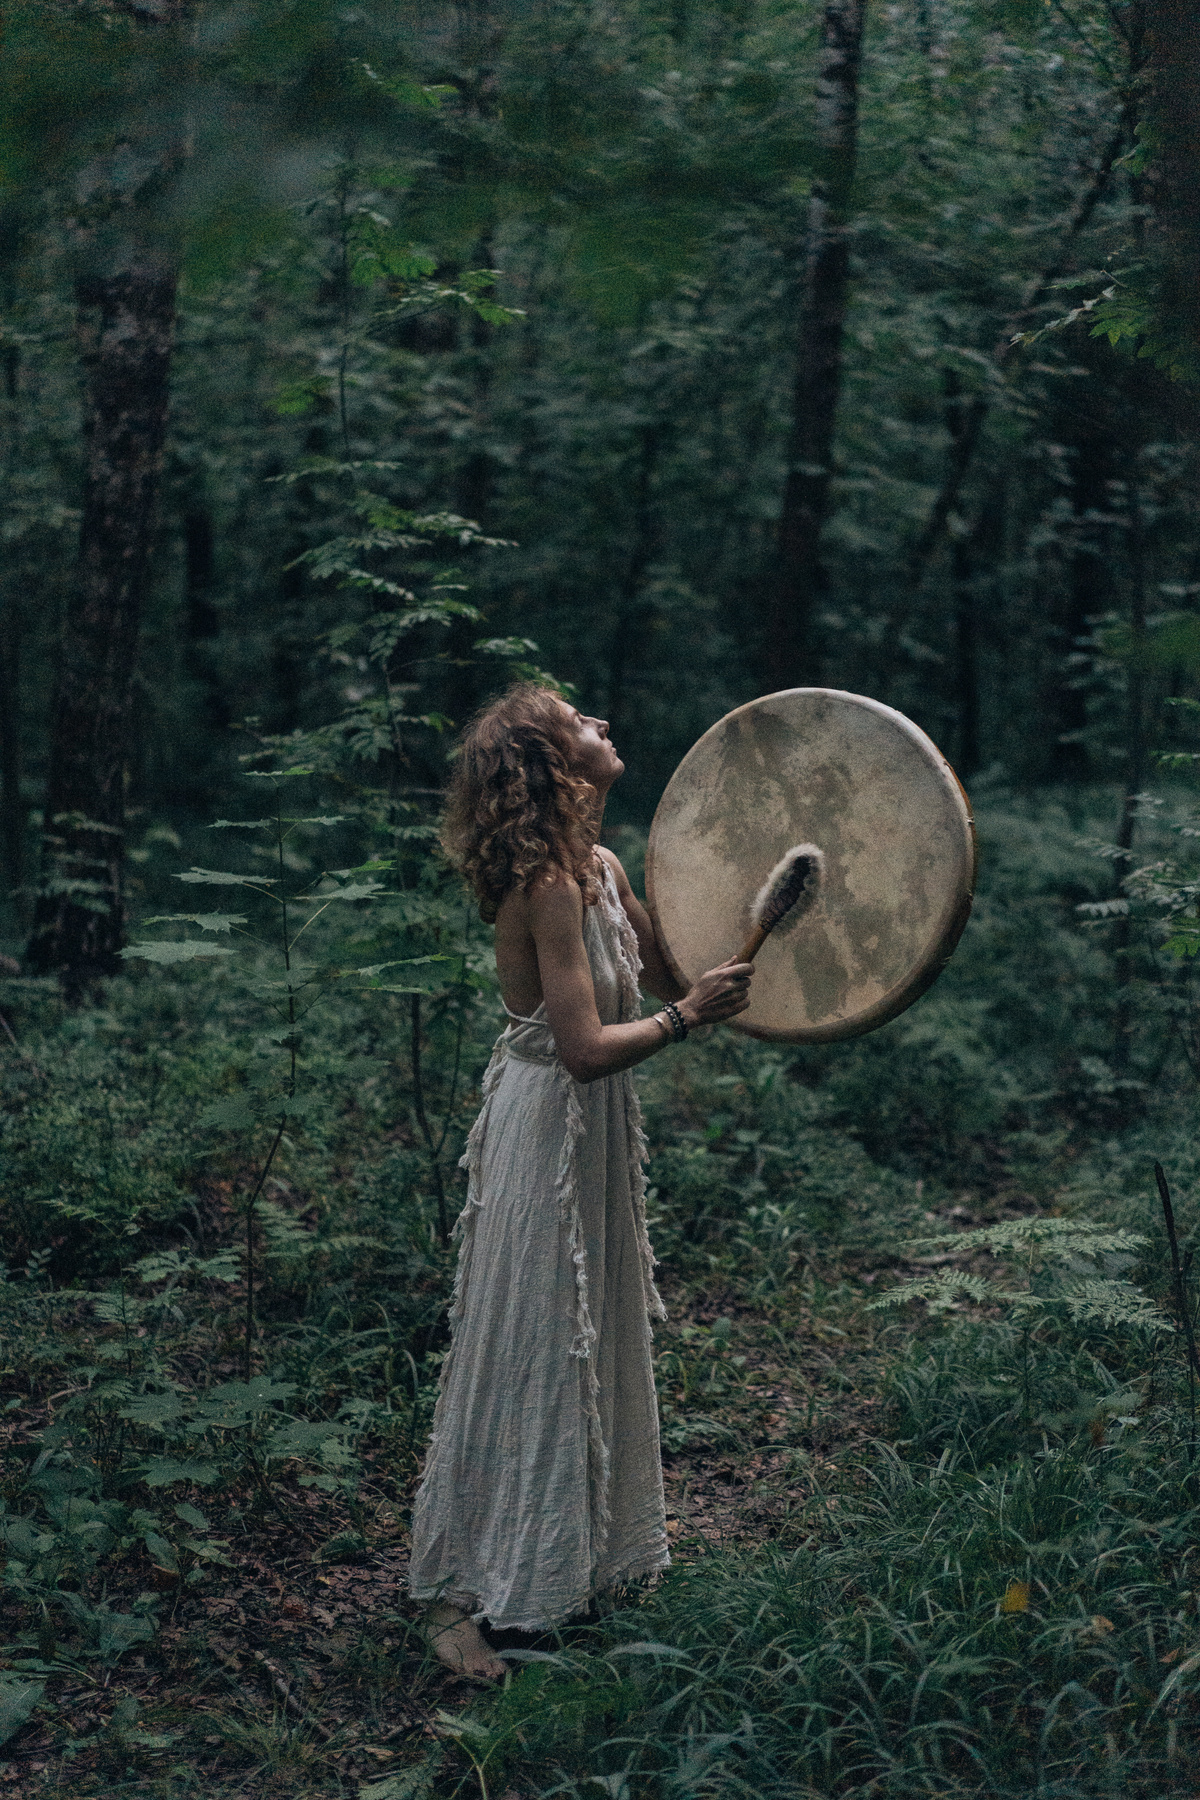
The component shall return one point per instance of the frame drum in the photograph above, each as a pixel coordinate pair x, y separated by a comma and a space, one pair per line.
869, 789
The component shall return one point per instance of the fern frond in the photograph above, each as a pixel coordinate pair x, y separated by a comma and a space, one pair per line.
1054, 1237
1114, 1303
941, 1291
284, 1233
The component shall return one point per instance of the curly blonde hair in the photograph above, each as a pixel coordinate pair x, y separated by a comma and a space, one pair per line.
514, 807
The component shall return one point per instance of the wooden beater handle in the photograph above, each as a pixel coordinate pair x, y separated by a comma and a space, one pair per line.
753, 944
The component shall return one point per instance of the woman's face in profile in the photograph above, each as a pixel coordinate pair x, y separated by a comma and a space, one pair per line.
592, 754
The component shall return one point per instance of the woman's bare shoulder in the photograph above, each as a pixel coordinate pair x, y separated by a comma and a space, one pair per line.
551, 894
618, 869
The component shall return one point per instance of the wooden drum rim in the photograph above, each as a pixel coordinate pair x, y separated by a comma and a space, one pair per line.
944, 934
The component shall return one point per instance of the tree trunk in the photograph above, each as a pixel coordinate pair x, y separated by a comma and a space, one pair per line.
634, 620
1174, 109
202, 621
473, 497
974, 414
966, 659
124, 324
962, 587
12, 811
1137, 739
1087, 592
201, 618
801, 578
12, 816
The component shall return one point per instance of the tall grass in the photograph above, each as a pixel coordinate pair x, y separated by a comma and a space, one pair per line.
980, 1607
994, 1598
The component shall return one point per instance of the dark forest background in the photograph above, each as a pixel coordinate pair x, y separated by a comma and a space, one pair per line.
742, 399
355, 359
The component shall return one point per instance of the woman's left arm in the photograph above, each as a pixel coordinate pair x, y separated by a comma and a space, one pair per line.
656, 978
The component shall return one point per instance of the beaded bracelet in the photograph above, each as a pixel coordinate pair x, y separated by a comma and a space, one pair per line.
679, 1025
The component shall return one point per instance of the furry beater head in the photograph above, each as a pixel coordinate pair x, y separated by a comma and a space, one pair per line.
791, 888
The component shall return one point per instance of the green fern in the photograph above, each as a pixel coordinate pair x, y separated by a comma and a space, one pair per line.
1102, 1299
941, 1291
1113, 1303
1053, 1237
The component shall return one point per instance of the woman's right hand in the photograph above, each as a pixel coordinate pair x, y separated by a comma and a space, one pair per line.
721, 993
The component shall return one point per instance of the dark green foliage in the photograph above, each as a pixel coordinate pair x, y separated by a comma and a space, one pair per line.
484, 363
95, 1148
986, 1609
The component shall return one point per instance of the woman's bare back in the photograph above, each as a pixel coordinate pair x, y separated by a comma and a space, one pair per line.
516, 956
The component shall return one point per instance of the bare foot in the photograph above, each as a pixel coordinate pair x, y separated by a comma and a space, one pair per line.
459, 1643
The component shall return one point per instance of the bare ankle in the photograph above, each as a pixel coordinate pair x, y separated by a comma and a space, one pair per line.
457, 1641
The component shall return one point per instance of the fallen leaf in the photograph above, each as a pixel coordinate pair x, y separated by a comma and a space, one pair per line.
1016, 1597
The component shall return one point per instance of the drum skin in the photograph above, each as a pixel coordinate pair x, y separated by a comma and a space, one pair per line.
863, 783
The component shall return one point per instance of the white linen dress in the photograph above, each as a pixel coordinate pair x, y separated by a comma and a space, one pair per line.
543, 1482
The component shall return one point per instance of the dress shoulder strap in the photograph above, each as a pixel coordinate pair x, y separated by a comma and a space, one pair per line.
625, 944
520, 1019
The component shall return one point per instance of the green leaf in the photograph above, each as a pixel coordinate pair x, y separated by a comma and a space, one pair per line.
191, 1516
941, 1291
106, 1634
232, 1113
327, 465
357, 890
347, 1546
279, 774
299, 1106
401, 962
239, 824
172, 1265
293, 398
153, 1409
162, 1552
17, 1701
23, 1541
506, 646
1114, 1303
165, 1471
224, 1266
175, 951
215, 921
384, 987
234, 1402
1055, 1237
414, 1783
224, 878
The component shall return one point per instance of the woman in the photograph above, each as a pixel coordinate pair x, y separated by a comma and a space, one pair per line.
543, 1484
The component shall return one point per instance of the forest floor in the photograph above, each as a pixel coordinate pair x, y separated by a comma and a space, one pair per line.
291, 1673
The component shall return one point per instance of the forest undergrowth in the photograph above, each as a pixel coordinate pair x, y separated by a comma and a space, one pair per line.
943, 1547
